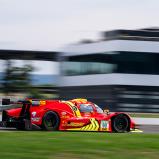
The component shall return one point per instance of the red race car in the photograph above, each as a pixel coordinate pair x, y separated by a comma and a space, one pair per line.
73, 115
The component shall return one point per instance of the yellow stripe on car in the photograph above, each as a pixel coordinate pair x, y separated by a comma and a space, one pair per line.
80, 100
74, 109
93, 126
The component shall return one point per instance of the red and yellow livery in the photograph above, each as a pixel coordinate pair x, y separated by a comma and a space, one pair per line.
71, 115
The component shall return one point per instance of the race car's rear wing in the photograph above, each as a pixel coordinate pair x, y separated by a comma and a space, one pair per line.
34, 102
23, 121
9, 104
9, 101
6, 101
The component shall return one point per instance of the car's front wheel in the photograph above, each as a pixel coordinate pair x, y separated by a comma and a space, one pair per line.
51, 121
121, 123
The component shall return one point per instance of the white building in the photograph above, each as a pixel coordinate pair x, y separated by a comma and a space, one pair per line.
121, 71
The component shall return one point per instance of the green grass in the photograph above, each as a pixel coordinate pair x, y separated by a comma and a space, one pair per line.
76, 145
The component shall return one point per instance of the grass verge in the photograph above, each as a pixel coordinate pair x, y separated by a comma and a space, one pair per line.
76, 145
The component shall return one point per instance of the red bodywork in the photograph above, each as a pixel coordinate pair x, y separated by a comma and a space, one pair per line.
71, 116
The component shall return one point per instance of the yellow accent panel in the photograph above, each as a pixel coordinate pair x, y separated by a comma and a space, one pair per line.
136, 131
93, 126
42, 102
81, 100
74, 109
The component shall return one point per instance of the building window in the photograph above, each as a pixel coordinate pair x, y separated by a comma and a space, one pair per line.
104, 63
86, 68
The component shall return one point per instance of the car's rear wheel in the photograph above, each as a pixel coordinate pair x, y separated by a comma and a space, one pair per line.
121, 123
51, 121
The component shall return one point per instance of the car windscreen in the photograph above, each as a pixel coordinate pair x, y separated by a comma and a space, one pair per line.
99, 110
86, 108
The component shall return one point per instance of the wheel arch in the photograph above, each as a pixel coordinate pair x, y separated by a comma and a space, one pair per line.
128, 117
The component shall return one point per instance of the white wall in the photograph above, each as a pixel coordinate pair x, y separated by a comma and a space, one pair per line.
110, 79
110, 46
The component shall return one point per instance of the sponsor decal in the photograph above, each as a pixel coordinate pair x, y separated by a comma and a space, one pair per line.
37, 102
87, 113
36, 119
63, 113
73, 124
65, 117
33, 114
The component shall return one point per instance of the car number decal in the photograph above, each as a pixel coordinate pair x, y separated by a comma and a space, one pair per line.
104, 125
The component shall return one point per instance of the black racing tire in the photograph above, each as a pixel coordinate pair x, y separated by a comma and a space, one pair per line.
121, 123
51, 121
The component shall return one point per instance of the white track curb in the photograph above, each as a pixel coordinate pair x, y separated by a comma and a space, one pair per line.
146, 121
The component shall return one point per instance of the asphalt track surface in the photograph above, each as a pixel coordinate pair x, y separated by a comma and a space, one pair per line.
149, 128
